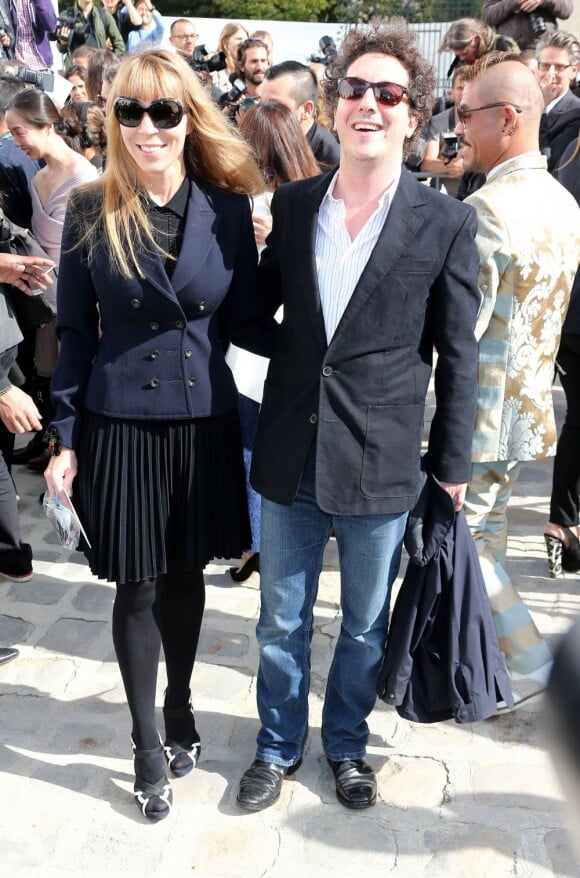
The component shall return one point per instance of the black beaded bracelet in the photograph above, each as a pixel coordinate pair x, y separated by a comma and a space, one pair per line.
53, 442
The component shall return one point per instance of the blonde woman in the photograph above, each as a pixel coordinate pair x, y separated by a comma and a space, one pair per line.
231, 38
159, 252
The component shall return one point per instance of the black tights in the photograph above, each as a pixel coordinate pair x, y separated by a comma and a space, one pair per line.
166, 610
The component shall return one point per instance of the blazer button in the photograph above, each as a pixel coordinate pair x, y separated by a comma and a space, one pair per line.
326, 371
154, 382
154, 354
187, 353
179, 324
154, 325
135, 303
201, 307
191, 382
313, 419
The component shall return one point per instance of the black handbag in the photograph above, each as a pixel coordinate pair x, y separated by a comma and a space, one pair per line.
30, 311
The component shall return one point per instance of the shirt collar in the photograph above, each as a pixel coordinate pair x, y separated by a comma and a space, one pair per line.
330, 199
177, 204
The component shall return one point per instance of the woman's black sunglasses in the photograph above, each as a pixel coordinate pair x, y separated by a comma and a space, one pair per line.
164, 113
390, 93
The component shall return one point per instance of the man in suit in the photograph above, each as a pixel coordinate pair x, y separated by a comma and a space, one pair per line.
558, 59
374, 271
529, 240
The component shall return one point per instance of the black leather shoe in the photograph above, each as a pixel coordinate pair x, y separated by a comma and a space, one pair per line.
261, 784
7, 653
356, 784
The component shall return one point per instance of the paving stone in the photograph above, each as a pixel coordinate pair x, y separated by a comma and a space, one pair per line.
94, 599
73, 636
217, 645
14, 631
35, 592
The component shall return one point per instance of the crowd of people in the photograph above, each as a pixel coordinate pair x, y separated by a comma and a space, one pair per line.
251, 288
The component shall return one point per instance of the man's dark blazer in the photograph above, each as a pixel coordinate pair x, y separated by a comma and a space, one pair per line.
362, 397
559, 128
160, 353
324, 146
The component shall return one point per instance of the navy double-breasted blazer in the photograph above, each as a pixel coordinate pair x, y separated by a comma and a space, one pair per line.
361, 396
160, 353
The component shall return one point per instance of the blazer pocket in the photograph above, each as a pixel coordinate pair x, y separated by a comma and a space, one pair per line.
392, 450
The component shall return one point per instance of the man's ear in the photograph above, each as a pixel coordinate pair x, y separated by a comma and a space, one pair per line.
307, 110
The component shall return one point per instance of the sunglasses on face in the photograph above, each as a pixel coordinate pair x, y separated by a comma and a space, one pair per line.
164, 113
388, 93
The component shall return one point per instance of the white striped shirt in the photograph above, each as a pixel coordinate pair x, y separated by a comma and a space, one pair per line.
339, 260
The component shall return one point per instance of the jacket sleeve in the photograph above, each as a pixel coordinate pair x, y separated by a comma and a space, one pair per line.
559, 8
456, 301
77, 327
44, 14
245, 316
114, 34
495, 12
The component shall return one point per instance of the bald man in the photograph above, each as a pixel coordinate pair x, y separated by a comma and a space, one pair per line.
528, 259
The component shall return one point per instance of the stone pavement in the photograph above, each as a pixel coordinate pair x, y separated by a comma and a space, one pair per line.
455, 800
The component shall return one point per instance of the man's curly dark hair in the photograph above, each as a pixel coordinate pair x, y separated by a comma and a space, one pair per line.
393, 37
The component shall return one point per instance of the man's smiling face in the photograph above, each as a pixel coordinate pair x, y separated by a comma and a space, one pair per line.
367, 130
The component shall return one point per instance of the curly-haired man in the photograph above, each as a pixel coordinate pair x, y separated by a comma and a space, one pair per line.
374, 270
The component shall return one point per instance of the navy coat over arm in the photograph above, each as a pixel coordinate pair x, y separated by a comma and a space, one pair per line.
442, 659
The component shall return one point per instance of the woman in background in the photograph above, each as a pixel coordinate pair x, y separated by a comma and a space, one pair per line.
152, 29
230, 39
283, 155
43, 134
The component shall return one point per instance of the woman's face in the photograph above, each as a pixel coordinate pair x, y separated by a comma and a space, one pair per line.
157, 152
235, 41
31, 139
145, 10
78, 91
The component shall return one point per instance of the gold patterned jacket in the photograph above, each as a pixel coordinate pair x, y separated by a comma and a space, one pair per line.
529, 245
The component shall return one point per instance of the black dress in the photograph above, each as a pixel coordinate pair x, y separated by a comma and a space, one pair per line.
159, 495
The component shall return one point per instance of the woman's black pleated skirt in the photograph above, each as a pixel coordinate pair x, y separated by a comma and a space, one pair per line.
156, 496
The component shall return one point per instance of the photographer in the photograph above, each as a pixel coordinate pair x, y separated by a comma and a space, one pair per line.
252, 65
525, 20
124, 15
440, 151
84, 24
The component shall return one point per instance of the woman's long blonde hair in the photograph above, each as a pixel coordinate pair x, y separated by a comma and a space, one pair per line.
213, 153
228, 31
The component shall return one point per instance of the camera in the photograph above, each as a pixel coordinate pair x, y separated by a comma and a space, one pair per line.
538, 24
42, 79
449, 145
201, 61
328, 48
231, 98
77, 24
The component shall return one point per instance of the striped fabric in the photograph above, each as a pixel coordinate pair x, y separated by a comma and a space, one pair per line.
339, 260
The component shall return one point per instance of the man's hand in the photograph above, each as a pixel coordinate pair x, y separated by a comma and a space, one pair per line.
262, 228
456, 492
18, 411
530, 5
25, 272
454, 168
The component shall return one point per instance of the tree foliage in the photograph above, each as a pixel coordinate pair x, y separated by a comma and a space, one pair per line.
324, 10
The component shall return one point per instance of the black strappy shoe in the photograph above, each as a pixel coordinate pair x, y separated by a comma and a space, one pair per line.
154, 800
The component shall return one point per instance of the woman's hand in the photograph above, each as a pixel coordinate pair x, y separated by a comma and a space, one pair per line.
61, 471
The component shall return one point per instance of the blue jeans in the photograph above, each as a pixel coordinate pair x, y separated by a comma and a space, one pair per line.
292, 546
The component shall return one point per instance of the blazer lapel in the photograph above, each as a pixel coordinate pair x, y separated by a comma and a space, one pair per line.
395, 239
306, 254
201, 225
